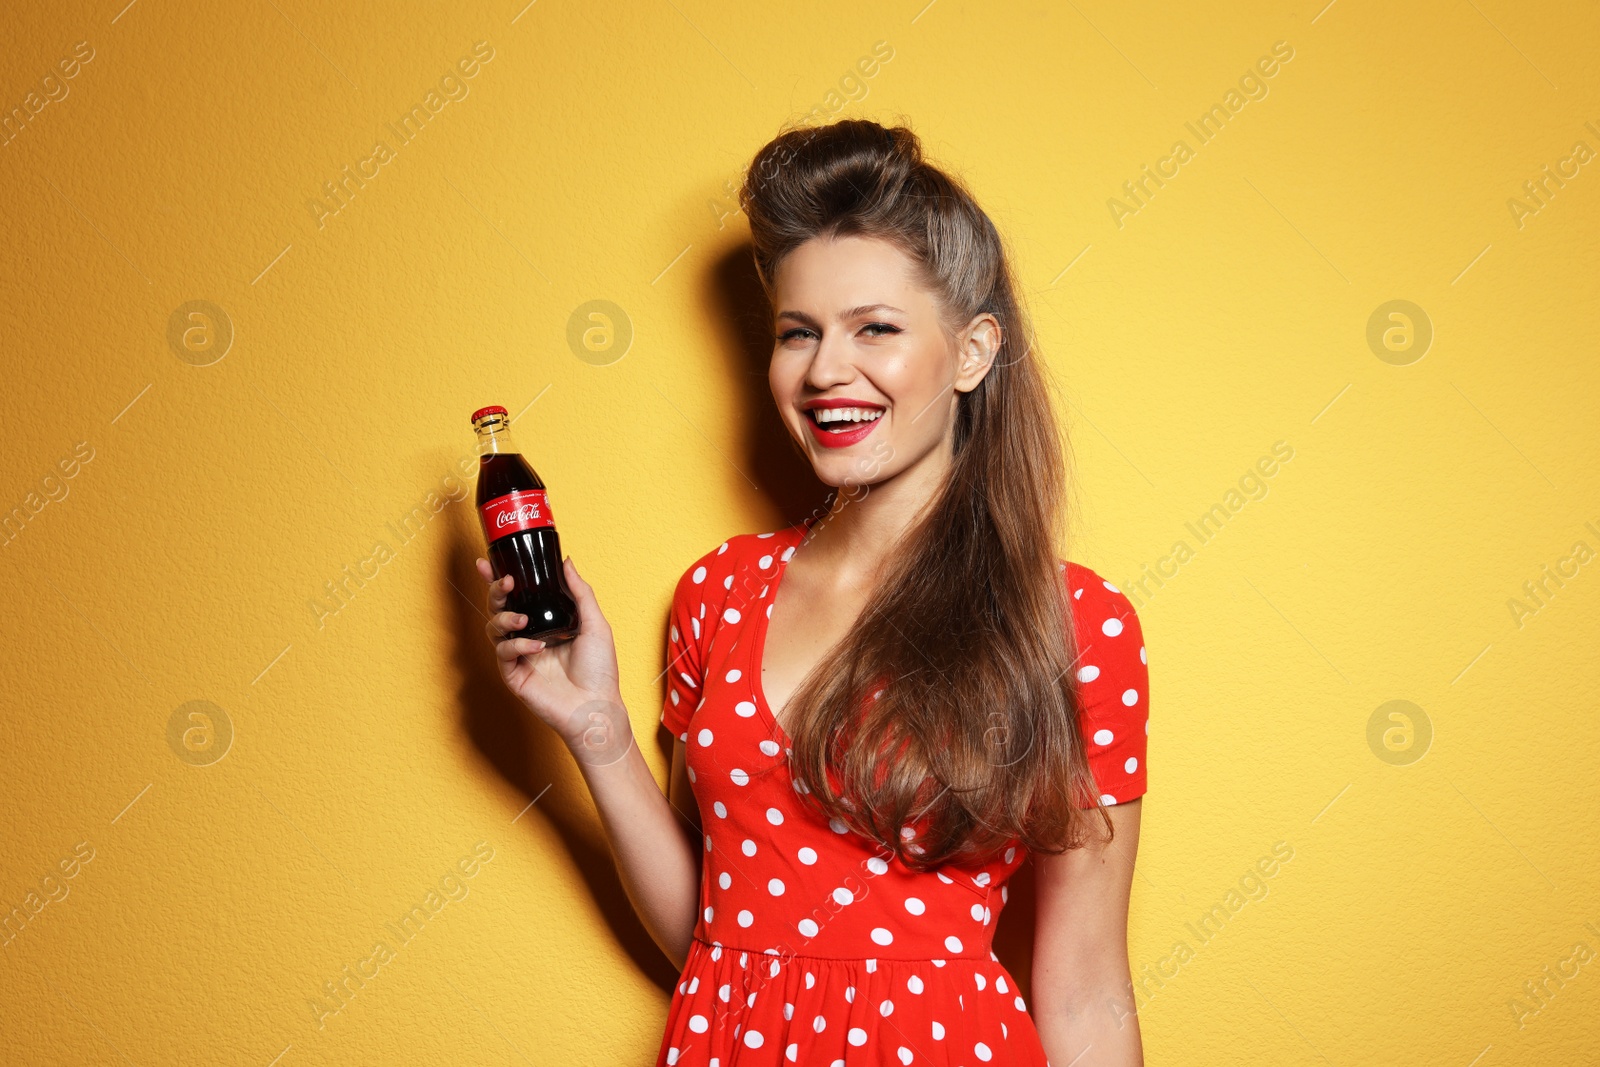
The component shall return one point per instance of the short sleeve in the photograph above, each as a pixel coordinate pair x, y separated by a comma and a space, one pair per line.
685, 645
1113, 681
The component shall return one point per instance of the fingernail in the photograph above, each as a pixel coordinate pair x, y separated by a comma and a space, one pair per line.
522, 620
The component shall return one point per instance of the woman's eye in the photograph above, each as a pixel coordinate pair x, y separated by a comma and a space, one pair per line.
881, 326
792, 333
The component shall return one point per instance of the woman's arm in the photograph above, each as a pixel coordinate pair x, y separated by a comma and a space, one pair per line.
656, 847
573, 688
1083, 1001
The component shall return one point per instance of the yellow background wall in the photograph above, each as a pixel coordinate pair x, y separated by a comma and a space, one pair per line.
356, 755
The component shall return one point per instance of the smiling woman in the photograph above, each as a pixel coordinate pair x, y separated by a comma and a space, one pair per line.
880, 713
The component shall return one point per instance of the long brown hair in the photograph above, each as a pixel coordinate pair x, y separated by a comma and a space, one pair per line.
967, 642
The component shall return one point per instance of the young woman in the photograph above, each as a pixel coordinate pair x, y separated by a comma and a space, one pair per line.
878, 713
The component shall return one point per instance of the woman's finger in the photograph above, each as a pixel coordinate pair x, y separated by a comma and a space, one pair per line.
503, 623
517, 647
498, 591
590, 617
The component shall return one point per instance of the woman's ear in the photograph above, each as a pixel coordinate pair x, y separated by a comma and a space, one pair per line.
979, 344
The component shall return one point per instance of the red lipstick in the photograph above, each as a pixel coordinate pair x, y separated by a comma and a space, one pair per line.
841, 438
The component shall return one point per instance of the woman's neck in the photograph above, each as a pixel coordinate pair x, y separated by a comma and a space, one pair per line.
865, 523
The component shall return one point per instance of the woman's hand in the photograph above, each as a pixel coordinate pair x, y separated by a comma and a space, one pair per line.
572, 687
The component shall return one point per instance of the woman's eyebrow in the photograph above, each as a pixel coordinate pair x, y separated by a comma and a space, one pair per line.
848, 313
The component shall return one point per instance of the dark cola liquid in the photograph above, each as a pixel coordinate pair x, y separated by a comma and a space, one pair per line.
531, 557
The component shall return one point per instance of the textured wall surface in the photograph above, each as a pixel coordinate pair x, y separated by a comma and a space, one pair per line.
1320, 285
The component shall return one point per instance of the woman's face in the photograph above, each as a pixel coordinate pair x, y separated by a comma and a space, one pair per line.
863, 372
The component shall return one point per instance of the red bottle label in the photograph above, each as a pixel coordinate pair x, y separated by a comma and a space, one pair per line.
520, 509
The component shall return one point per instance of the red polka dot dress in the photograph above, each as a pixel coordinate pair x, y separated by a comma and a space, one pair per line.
815, 945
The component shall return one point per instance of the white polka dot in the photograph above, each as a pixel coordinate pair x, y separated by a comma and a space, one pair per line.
837, 825
724, 880
1141, 655
1109, 586
672, 1056
1021, 1006
733, 675
850, 994
744, 709
672, 694
745, 918
688, 681
953, 943
843, 895
977, 913
764, 562
753, 1039
819, 1024
708, 842
1130, 697
856, 1036
808, 856
905, 1055
915, 906
709, 912
720, 808
938, 1030
1111, 627
787, 553
769, 748
690, 772
727, 583
748, 847
1010, 852
1107, 799
696, 624
699, 575
914, 984
1104, 737
723, 991
769, 611
1088, 673
732, 615
704, 737
886, 1008
792, 1053
809, 928
775, 887
1132, 764
980, 979
698, 1024
982, 878
739, 777
774, 816
881, 936
876, 865
981, 1051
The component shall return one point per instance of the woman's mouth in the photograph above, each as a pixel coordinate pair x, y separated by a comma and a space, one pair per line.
838, 427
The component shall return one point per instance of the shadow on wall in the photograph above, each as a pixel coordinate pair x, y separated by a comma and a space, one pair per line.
527, 754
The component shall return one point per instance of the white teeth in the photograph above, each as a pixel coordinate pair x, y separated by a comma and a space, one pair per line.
827, 415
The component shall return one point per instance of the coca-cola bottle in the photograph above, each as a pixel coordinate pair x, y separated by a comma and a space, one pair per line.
521, 533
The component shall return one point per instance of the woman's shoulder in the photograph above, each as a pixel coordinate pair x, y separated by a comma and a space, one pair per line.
1098, 606
740, 556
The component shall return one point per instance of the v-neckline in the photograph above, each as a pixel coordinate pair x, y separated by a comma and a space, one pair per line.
758, 652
